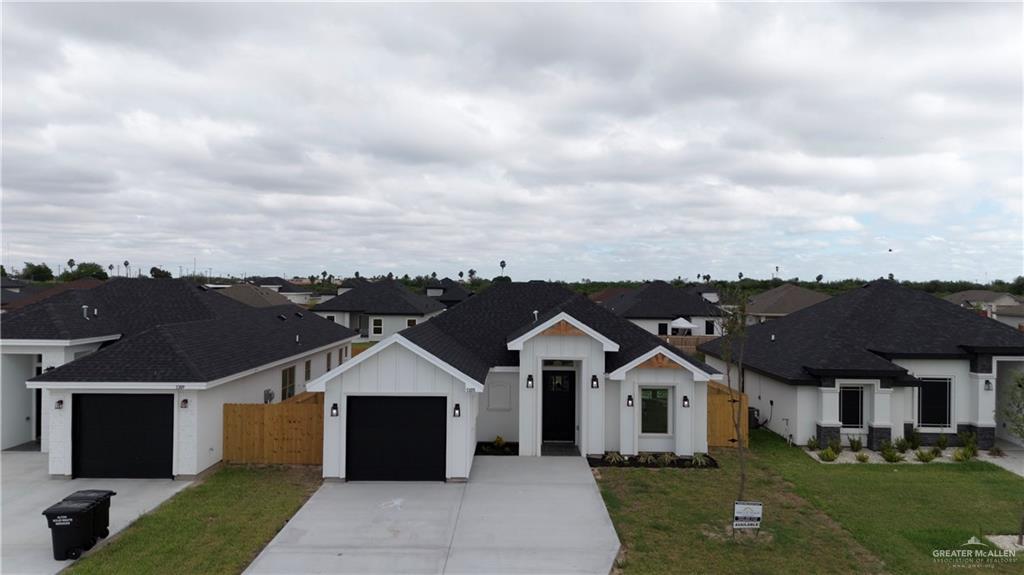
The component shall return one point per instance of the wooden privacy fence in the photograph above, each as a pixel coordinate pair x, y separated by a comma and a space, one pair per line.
721, 403
290, 432
688, 343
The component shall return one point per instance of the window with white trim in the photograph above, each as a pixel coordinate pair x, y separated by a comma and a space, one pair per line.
662, 329
287, 383
654, 410
378, 326
308, 369
935, 402
410, 322
709, 327
851, 406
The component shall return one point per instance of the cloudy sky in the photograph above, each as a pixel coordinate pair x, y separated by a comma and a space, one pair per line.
575, 141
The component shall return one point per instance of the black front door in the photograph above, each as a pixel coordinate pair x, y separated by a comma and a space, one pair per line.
395, 438
559, 417
122, 435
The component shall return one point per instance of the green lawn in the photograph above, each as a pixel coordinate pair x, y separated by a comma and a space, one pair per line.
217, 526
818, 518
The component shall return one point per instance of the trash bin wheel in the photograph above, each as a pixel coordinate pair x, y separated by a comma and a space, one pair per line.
74, 553
104, 533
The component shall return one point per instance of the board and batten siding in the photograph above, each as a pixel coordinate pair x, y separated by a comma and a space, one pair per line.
398, 371
499, 408
689, 425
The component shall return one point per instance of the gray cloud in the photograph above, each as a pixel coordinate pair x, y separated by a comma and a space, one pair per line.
597, 141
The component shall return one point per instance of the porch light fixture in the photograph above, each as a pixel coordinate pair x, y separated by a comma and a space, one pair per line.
686, 401
529, 381
629, 401
59, 404
334, 410
184, 403
988, 385
457, 412
594, 383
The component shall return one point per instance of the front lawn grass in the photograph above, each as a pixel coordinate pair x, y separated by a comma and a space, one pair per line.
820, 518
217, 526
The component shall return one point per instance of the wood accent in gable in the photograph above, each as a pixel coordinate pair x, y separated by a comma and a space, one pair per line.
563, 328
660, 361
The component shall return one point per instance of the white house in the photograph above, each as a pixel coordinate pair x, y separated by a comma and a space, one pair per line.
663, 310
298, 295
533, 363
983, 299
879, 362
129, 379
378, 309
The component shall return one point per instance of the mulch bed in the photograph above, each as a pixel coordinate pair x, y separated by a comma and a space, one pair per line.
681, 463
488, 448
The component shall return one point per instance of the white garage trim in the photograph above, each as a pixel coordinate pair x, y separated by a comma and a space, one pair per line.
698, 374
608, 345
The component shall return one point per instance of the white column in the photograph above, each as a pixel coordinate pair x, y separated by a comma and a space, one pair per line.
628, 417
983, 402
828, 406
881, 407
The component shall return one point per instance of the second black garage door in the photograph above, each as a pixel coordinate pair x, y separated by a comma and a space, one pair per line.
395, 438
122, 435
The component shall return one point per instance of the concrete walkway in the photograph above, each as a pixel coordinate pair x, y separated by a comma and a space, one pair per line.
538, 515
28, 490
1013, 460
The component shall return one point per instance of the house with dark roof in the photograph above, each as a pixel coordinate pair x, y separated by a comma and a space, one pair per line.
447, 291
541, 366
254, 295
129, 378
781, 301
983, 299
296, 294
32, 293
608, 293
880, 362
1011, 315
664, 309
350, 283
378, 309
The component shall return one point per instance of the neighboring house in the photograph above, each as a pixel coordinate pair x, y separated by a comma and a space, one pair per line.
447, 291
663, 310
12, 284
350, 284
781, 301
28, 295
534, 363
129, 379
300, 295
1011, 315
254, 295
878, 362
706, 291
609, 293
378, 309
981, 299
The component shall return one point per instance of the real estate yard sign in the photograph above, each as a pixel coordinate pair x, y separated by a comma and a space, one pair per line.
747, 515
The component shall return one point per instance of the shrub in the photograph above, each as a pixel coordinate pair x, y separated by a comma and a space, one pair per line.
856, 444
645, 459
890, 454
914, 441
924, 456
996, 451
700, 460
936, 451
942, 442
614, 458
969, 442
901, 445
666, 459
862, 457
499, 441
812, 443
836, 445
827, 454
962, 454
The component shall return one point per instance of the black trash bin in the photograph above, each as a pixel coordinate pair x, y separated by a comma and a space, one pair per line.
71, 527
101, 514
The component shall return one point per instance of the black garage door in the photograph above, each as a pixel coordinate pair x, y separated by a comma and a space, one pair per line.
395, 438
122, 435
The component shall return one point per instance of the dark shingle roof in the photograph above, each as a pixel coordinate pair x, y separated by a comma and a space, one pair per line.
854, 334
254, 295
659, 300
453, 292
609, 293
978, 296
474, 336
9, 282
784, 300
286, 286
384, 297
171, 331
45, 292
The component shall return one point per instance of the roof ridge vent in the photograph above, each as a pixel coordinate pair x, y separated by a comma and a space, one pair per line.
298, 314
282, 317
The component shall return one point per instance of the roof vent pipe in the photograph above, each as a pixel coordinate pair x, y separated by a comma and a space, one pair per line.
296, 338
535, 316
773, 337
95, 312
85, 311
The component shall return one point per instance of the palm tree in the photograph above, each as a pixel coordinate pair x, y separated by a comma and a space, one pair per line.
460, 275
127, 272
110, 269
71, 264
472, 274
502, 264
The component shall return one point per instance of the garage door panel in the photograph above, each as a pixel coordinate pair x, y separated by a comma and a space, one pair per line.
395, 438
123, 435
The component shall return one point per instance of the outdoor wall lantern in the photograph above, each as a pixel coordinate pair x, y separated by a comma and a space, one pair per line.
334, 410
629, 401
59, 404
988, 385
529, 381
184, 403
686, 401
457, 412
594, 383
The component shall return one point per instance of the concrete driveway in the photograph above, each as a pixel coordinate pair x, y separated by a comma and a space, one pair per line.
538, 515
28, 490
1013, 461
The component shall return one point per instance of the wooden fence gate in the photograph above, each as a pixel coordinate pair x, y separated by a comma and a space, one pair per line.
721, 403
289, 432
